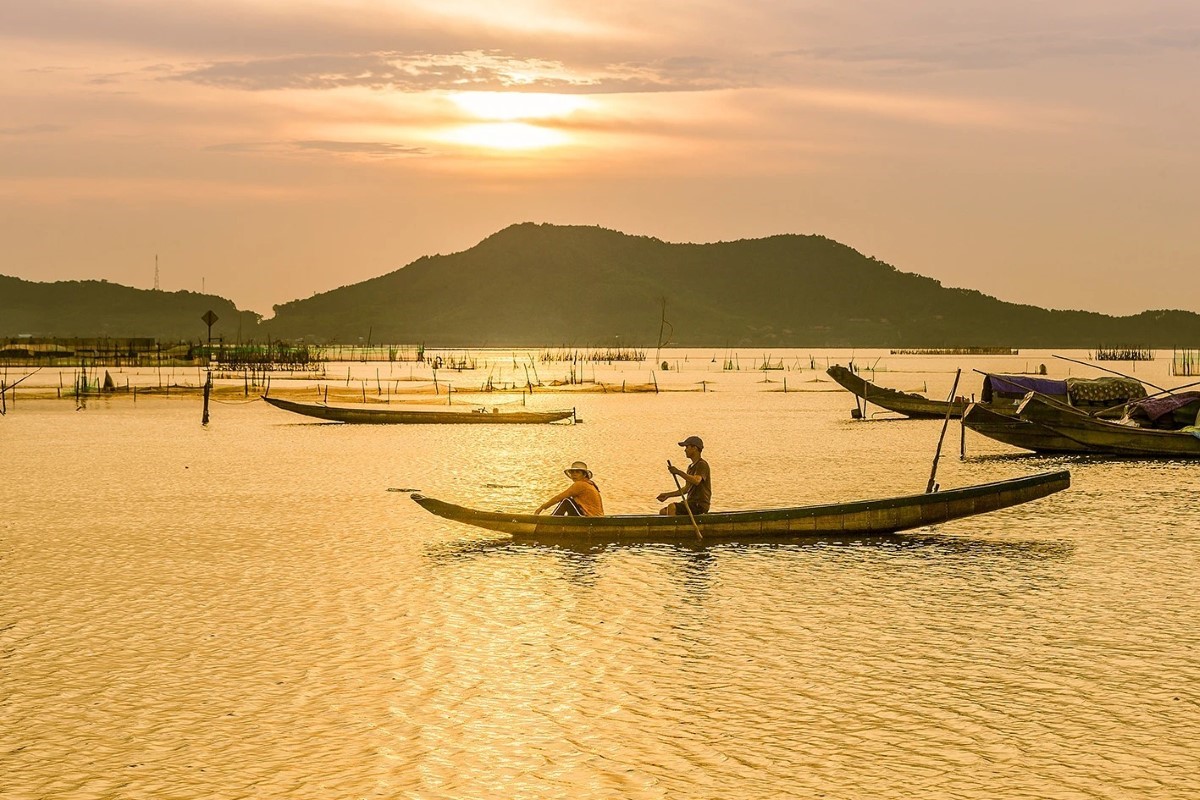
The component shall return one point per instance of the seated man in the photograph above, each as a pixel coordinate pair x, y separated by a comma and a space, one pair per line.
580, 499
697, 482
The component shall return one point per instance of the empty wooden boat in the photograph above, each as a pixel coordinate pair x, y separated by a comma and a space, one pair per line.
910, 405
865, 517
372, 415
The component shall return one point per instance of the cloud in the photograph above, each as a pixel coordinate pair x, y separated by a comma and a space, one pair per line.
223, 27
32, 130
391, 71
361, 148
471, 71
996, 53
370, 149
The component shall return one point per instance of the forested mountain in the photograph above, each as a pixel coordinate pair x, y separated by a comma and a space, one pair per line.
547, 285
99, 308
535, 284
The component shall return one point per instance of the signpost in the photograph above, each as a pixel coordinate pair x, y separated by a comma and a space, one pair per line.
209, 318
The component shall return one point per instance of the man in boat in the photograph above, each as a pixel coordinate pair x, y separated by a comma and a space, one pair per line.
696, 490
580, 499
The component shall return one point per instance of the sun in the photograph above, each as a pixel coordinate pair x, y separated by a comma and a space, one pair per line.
508, 120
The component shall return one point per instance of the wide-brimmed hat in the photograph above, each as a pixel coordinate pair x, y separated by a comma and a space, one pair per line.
578, 466
695, 441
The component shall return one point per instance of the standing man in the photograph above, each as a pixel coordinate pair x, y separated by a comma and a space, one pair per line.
697, 482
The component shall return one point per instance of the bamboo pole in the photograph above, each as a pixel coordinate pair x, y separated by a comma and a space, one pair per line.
207, 390
932, 485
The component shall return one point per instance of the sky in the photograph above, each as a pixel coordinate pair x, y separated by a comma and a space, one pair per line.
268, 150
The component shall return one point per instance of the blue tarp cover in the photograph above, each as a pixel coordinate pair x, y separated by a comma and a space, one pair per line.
1020, 385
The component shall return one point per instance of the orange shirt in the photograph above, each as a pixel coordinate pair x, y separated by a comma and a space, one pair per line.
587, 495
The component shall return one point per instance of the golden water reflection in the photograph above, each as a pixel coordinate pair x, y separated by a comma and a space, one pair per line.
244, 610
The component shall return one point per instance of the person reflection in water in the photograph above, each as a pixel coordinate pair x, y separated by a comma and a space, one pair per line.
697, 482
580, 499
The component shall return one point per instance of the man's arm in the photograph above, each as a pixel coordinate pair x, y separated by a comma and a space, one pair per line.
676, 493
692, 480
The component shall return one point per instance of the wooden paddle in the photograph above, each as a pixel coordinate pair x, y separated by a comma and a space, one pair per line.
683, 500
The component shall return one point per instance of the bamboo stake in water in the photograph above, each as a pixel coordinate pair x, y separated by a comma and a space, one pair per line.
962, 437
932, 485
207, 389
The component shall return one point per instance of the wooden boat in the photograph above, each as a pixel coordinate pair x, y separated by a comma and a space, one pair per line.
1001, 393
1010, 429
408, 416
995, 415
910, 405
863, 517
1103, 436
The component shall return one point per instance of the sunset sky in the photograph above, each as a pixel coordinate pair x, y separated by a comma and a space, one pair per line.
264, 150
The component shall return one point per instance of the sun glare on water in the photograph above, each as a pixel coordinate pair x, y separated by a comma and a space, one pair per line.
504, 119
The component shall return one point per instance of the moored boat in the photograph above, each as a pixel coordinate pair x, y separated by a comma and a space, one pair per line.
862, 517
371, 415
909, 404
1012, 430
995, 415
1104, 436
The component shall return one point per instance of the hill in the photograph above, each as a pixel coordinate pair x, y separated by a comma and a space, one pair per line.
99, 308
532, 285
547, 285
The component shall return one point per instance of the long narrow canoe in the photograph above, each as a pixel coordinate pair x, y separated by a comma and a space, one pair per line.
408, 416
863, 517
1012, 430
910, 405
1102, 436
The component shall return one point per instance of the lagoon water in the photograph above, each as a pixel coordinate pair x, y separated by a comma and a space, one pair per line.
244, 610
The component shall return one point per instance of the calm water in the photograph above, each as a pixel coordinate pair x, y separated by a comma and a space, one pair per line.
245, 611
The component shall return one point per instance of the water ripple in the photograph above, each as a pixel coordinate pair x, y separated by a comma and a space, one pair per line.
246, 612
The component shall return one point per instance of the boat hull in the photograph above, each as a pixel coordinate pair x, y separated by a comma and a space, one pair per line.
1012, 430
864, 517
1101, 436
913, 406
394, 416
